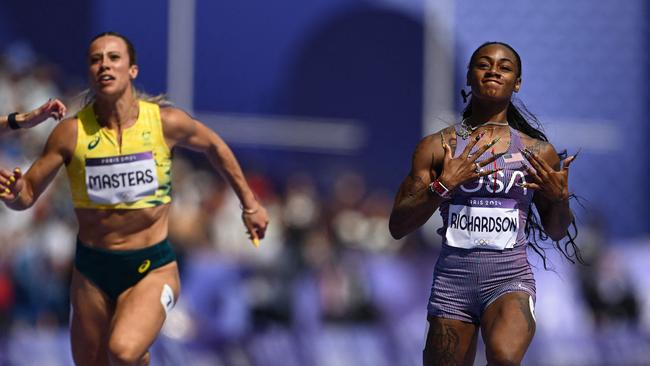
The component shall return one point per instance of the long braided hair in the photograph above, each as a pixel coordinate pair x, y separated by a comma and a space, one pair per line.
521, 119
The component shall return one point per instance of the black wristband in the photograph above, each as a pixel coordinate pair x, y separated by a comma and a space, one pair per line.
11, 119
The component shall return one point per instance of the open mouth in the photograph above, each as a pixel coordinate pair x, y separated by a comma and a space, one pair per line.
105, 79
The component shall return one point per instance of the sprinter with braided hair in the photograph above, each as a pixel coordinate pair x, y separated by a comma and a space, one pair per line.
485, 174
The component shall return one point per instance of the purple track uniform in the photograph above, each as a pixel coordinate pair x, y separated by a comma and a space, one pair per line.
484, 246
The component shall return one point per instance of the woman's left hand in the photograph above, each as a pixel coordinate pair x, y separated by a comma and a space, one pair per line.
552, 184
256, 222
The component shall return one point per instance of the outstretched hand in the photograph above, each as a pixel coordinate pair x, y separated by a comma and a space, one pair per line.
456, 171
11, 183
256, 222
552, 184
53, 108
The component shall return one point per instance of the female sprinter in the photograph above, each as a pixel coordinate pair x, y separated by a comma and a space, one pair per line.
484, 174
117, 153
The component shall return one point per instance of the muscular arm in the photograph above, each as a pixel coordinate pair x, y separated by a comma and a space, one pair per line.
182, 130
413, 204
58, 149
556, 215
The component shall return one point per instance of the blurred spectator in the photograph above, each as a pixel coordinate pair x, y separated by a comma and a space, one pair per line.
41, 269
605, 283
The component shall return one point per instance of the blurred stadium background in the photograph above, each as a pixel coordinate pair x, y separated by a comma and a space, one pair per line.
323, 102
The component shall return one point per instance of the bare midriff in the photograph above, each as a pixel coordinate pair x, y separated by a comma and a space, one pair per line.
123, 229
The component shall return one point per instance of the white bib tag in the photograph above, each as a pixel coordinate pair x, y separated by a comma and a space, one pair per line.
121, 179
167, 298
491, 223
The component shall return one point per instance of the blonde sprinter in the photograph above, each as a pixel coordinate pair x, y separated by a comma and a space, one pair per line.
53, 108
117, 153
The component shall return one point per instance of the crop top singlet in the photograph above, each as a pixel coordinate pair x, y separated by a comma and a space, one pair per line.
105, 175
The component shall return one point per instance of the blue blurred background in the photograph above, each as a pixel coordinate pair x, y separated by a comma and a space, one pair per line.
323, 103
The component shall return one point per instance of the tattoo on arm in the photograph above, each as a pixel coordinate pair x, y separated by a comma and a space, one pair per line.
416, 187
537, 147
442, 345
524, 306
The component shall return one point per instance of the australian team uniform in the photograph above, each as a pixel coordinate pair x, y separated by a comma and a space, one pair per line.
106, 176
484, 245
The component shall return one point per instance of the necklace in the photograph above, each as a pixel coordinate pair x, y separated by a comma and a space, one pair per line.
466, 130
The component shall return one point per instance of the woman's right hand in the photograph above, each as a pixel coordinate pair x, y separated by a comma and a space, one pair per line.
11, 184
458, 170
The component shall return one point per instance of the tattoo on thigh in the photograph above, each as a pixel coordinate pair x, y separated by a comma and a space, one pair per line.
524, 306
443, 345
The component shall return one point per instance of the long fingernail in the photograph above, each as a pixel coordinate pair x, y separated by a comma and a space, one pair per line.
256, 242
494, 142
12, 179
7, 191
576, 154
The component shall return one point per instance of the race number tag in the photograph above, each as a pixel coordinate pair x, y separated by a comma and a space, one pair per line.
121, 179
491, 223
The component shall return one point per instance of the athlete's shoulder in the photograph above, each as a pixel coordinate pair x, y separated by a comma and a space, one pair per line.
429, 150
543, 149
177, 124
173, 115
536, 145
63, 137
65, 128
448, 133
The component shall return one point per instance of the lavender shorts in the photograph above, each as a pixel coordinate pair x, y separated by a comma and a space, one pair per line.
466, 281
